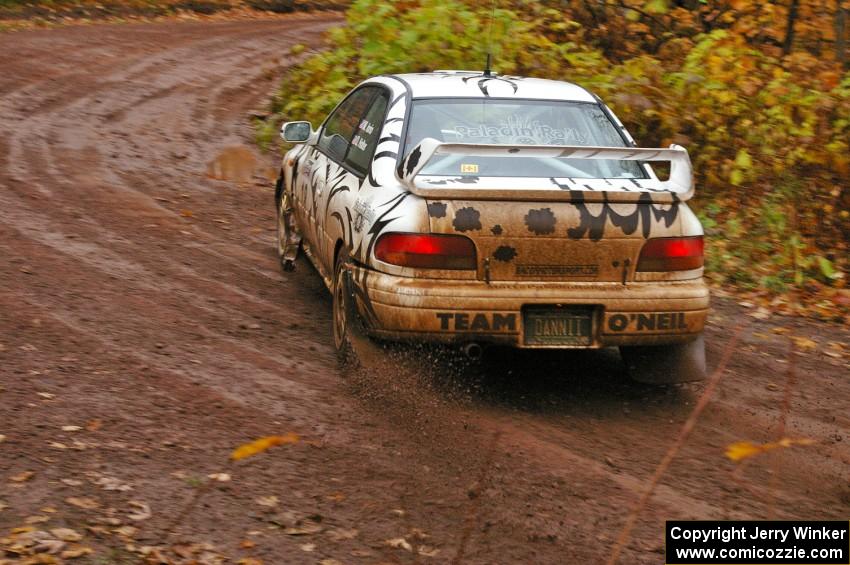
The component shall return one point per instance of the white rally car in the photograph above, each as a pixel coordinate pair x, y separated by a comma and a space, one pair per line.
481, 209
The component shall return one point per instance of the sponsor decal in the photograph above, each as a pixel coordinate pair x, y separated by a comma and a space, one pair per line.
364, 214
532, 132
477, 321
468, 168
647, 322
576, 271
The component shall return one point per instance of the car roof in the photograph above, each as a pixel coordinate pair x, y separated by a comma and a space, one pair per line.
473, 84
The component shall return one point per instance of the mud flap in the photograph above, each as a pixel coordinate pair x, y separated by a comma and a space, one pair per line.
366, 352
278, 190
293, 238
666, 364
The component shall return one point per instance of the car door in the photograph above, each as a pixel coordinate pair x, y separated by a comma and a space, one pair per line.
347, 142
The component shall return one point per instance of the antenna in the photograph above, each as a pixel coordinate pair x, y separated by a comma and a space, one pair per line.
487, 70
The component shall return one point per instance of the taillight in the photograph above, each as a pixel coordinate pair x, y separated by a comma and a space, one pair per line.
671, 254
426, 251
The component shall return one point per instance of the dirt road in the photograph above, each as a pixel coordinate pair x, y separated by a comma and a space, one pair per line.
146, 331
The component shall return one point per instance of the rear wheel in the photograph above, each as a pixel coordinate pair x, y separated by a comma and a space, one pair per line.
340, 306
352, 342
666, 364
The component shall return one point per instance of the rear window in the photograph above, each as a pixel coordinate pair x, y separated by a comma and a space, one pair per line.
517, 122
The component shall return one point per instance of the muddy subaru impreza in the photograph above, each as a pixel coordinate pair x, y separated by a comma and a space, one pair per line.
481, 209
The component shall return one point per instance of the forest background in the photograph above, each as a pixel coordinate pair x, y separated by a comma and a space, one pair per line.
759, 93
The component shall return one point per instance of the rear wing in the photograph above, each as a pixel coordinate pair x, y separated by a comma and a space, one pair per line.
677, 188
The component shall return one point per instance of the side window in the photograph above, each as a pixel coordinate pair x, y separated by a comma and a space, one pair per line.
340, 126
366, 135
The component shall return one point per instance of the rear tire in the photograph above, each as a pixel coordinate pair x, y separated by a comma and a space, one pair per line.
666, 364
351, 339
341, 298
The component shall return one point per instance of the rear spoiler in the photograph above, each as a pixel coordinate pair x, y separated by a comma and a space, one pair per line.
679, 187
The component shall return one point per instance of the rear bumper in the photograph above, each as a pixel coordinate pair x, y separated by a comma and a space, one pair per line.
639, 313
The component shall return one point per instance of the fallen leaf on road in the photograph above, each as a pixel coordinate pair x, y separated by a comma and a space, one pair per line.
22, 477
36, 519
427, 551
761, 313
262, 444
76, 552
66, 534
308, 547
2, 438
804, 342
71, 428
143, 511
340, 534
284, 519
220, 477
81, 502
126, 531
106, 520
51, 546
249, 561
330, 562
3, 506
57, 445
46, 395
741, 450
399, 543
71, 482
268, 501
112, 483
93, 425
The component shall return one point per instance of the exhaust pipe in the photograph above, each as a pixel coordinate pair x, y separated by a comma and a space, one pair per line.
473, 351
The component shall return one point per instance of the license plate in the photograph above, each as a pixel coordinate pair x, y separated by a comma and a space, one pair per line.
563, 326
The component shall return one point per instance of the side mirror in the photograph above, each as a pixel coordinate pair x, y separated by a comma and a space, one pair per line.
296, 132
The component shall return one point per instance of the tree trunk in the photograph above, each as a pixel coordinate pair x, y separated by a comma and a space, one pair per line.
789, 29
841, 35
